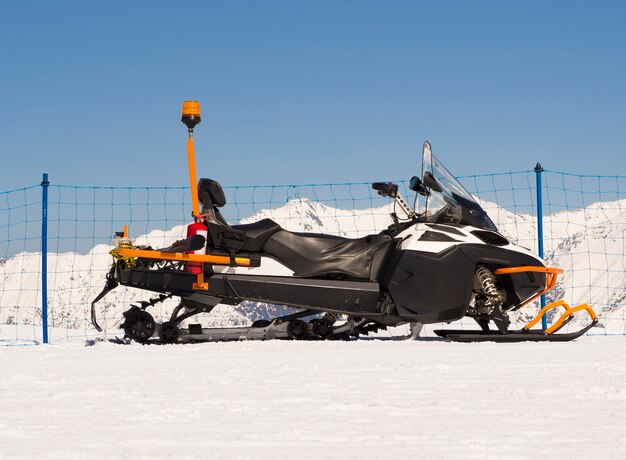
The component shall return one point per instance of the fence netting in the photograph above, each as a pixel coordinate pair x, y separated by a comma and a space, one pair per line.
20, 266
584, 233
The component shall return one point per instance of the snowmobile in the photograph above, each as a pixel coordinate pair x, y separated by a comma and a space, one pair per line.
439, 261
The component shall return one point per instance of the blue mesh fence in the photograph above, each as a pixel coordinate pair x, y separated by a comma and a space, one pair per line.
584, 232
20, 261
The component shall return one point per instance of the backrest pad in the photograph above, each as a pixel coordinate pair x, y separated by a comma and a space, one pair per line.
214, 190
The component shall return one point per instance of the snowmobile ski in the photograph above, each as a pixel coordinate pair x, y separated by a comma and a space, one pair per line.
519, 336
526, 334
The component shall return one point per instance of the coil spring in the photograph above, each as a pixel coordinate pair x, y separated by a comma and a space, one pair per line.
488, 283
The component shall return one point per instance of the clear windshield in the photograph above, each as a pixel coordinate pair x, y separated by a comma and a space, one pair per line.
452, 203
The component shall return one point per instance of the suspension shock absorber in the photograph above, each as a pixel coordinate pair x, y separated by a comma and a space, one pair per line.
488, 284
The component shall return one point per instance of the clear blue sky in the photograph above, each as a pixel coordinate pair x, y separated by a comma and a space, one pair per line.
308, 91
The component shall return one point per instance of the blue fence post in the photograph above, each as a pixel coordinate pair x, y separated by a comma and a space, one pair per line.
538, 171
44, 257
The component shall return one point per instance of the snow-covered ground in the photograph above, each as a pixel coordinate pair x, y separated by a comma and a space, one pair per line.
280, 399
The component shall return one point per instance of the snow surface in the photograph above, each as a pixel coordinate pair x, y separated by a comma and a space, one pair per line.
280, 399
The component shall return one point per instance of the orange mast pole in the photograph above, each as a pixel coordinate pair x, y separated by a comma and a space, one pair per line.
192, 176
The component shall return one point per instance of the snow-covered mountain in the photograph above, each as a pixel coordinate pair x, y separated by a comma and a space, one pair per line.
588, 243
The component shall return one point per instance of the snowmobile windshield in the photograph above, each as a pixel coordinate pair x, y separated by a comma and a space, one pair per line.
448, 201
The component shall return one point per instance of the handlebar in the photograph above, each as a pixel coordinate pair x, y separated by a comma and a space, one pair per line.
389, 189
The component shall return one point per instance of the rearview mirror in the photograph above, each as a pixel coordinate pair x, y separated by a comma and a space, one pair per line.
417, 185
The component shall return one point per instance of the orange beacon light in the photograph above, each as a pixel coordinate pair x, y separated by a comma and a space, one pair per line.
191, 114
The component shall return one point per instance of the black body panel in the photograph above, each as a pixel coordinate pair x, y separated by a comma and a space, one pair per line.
436, 236
312, 254
438, 287
435, 287
492, 238
446, 228
349, 297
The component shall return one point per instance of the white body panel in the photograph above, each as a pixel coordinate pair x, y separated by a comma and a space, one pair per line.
411, 240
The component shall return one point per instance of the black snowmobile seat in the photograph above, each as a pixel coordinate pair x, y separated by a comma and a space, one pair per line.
256, 233
312, 254
246, 237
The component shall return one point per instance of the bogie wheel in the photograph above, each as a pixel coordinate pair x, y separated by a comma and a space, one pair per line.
261, 323
139, 325
323, 329
169, 332
297, 329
